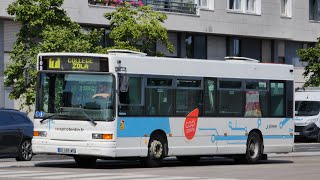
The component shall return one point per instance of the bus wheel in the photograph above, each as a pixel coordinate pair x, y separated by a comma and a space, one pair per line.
188, 159
85, 162
156, 152
318, 137
254, 144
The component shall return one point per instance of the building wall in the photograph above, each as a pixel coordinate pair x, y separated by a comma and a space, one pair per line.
8, 32
216, 47
299, 79
269, 24
2, 101
267, 36
266, 51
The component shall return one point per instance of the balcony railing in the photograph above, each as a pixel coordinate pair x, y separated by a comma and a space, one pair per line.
177, 6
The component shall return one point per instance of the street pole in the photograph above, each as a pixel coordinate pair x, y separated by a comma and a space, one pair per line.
2, 94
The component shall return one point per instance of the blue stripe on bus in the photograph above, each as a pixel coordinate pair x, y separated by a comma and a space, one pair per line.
238, 138
139, 126
278, 137
232, 138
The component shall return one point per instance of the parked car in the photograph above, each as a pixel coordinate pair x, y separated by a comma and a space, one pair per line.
307, 113
16, 132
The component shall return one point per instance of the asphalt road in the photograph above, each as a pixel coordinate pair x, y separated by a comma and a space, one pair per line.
298, 147
307, 147
283, 168
277, 167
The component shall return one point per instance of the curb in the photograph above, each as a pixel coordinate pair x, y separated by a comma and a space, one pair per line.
295, 154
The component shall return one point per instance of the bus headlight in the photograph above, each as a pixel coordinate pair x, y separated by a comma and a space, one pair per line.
40, 133
102, 136
315, 120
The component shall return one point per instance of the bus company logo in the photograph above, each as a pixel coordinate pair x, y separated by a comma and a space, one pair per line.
190, 124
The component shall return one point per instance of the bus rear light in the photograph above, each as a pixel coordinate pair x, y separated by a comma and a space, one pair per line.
40, 133
102, 136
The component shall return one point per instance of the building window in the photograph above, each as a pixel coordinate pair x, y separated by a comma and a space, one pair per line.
234, 47
235, 4
286, 8
206, 4
108, 42
245, 6
313, 10
251, 6
203, 3
196, 46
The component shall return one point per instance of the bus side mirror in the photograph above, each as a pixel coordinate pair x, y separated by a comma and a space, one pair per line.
124, 83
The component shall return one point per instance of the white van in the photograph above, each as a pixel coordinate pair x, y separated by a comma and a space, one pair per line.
307, 107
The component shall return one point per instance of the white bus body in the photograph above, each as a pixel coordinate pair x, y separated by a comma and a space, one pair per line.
307, 104
240, 103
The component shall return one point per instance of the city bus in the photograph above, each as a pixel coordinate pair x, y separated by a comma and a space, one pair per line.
156, 107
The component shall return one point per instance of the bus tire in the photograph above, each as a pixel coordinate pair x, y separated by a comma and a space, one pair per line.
264, 157
188, 159
318, 137
85, 162
156, 152
254, 148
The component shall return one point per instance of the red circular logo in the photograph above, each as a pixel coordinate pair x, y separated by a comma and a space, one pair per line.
190, 124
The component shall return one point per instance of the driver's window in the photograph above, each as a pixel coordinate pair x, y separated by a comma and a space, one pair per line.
131, 101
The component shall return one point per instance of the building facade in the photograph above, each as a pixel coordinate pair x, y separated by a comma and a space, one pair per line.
268, 30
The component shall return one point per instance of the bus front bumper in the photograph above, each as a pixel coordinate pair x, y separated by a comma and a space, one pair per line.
81, 148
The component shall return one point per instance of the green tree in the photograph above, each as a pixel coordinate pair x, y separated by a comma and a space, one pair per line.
45, 27
312, 70
138, 29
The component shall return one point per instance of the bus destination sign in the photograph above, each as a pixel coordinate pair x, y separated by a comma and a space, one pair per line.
74, 63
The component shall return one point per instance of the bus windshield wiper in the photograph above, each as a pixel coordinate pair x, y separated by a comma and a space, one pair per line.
54, 115
88, 118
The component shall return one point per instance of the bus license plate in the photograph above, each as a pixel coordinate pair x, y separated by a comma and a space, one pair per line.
67, 150
297, 133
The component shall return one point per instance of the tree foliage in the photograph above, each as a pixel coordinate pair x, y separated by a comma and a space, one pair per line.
45, 27
138, 29
312, 70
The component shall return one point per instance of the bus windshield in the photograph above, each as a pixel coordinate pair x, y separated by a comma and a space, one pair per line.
75, 96
307, 108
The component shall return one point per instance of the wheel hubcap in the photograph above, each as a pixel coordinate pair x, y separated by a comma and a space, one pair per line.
26, 150
156, 148
253, 148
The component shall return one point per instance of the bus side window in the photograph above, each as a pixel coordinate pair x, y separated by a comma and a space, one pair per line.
209, 97
230, 98
188, 96
256, 99
131, 102
159, 101
159, 96
277, 100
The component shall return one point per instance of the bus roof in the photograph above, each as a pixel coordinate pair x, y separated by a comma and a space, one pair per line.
138, 64
202, 68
